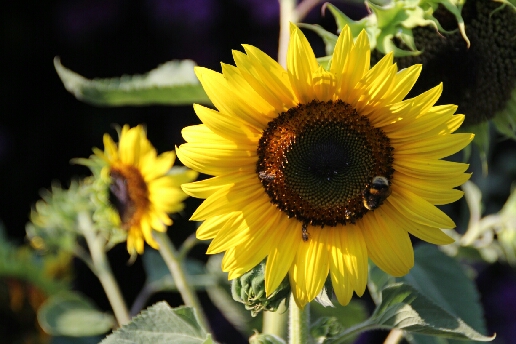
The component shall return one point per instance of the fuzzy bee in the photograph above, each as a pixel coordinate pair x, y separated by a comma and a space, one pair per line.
266, 176
376, 192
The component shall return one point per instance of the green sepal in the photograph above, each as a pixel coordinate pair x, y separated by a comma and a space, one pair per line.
249, 289
395, 20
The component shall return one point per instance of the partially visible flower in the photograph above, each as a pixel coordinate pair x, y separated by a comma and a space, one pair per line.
142, 187
318, 169
469, 45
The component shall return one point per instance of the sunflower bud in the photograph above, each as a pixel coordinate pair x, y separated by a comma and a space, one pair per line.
249, 289
325, 328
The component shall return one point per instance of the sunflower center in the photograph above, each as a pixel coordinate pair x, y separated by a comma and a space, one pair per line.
129, 194
317, 160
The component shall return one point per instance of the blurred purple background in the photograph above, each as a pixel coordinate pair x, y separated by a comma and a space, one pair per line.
42, 126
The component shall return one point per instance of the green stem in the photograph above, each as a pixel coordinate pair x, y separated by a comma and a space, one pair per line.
394, 337
187, 245
170, 255
299, 322
102, 269
275, 322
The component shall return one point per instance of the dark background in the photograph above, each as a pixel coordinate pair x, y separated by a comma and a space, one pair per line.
42, 126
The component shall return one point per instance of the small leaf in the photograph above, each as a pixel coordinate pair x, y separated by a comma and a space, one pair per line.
70, 314
405, 308
160, 324
172, 83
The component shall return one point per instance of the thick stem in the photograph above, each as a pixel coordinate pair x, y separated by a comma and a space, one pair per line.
170, 256
299, 323
394, 337
287, 15
102, 269
275, 322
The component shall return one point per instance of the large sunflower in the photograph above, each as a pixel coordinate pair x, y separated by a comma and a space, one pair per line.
317, 170
141, 188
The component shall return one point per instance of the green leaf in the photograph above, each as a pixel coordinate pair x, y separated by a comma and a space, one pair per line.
75, 340
70, 314
172, 83
160, 324
405, 308
443, 280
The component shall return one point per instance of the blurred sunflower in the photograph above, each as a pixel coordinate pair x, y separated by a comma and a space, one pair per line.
469, 45
142, 189
317, 170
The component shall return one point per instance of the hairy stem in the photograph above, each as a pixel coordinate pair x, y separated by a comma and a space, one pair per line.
299, 323
101, 268
170, 255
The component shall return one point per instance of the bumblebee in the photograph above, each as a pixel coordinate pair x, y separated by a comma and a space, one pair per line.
376, 192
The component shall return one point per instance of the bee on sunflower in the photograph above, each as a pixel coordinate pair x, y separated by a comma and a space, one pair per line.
295, 155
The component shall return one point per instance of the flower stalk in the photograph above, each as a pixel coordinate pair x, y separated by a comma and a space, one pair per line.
170, 255
299, 323
287, 16
275, 322
102, 269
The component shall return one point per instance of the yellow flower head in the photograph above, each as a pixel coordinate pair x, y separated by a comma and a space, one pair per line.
141, 188
317, 170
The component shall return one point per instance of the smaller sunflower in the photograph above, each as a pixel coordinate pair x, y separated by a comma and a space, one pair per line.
141, 188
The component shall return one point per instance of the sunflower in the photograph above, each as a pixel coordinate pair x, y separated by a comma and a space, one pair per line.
141, 188
316, 170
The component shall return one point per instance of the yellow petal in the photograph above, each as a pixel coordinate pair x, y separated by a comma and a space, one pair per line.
272, 75
388, 245
282, 251
301, 65
418, 210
